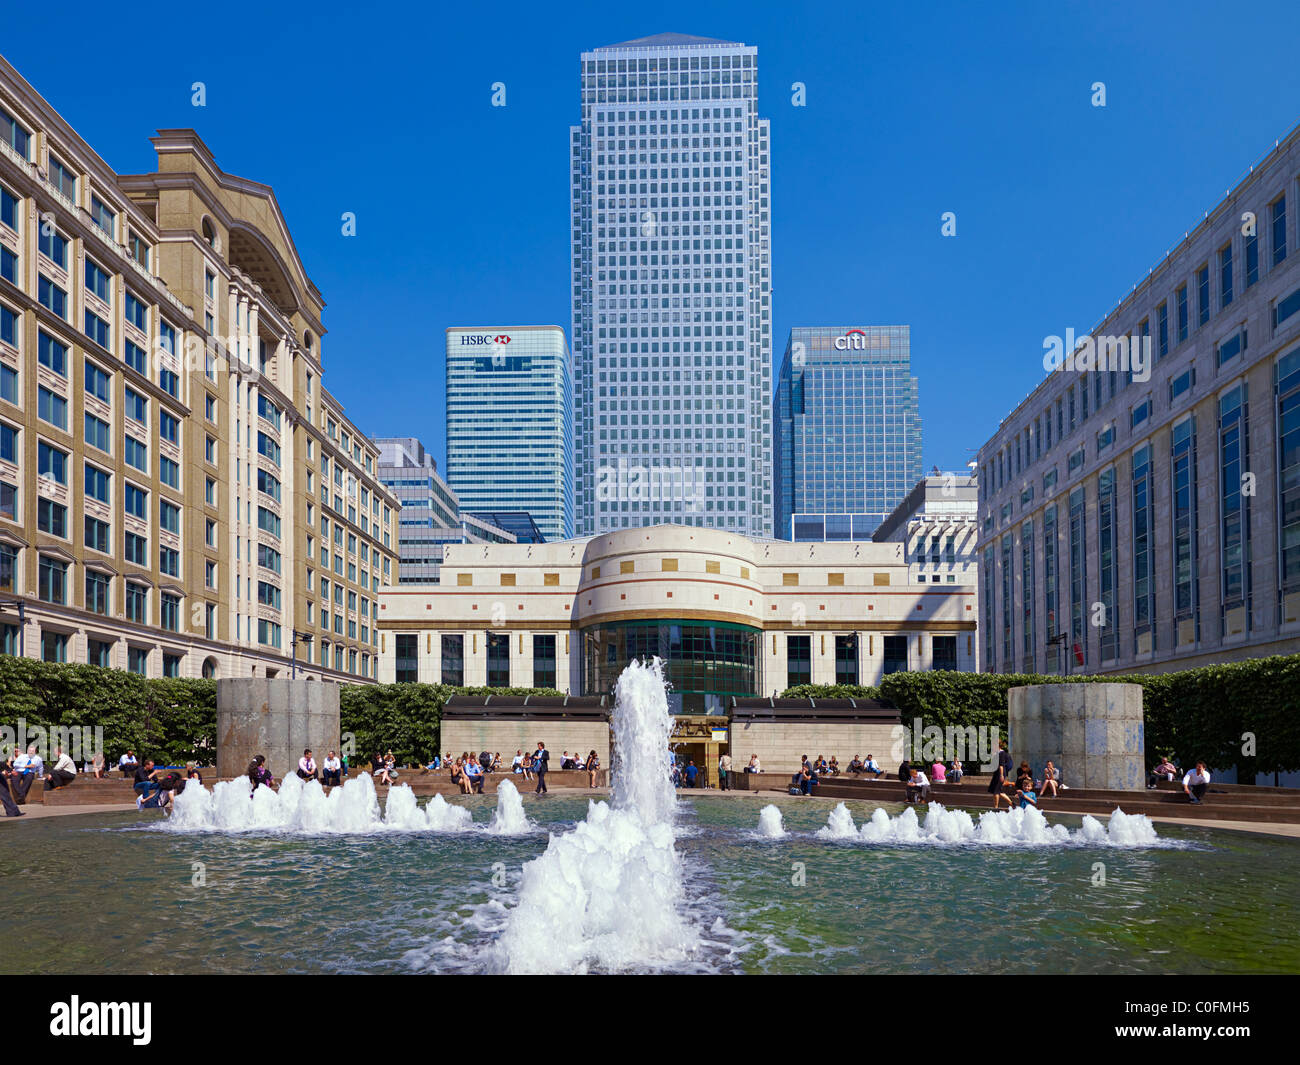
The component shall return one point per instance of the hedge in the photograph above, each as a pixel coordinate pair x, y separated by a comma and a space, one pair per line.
1204, 713
831, 691
404, 718
171, 720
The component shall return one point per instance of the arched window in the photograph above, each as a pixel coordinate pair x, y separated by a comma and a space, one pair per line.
210, 668
210, 234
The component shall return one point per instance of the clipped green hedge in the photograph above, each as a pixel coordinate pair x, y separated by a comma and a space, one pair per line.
170, 720
831, 691
404, 718
1203, 713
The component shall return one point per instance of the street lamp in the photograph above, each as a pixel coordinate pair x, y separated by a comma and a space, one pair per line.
294, 640
22, 619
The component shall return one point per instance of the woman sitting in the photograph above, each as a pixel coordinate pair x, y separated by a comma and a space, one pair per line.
1051, 784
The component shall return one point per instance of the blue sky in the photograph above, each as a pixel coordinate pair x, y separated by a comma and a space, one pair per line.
462, 208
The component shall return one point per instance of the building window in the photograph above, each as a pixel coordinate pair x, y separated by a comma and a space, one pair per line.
798, 659
54, 647
846, 659
1225, 276
1078, 578
407, 646
137, 603
944, 652
1027, 593
52, 577
895, 654
96, 592
137, 660
1279, 230
169, 609
498, 660
1234, 455
1008, 607
1203, 295
453, 660
1288, 446
1108, 563
544, 660
99, 653
1050, 586
1144, 592
990, 659
1183, 459
1182, 312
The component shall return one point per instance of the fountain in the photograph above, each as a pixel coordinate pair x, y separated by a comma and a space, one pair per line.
608, 895
770, 823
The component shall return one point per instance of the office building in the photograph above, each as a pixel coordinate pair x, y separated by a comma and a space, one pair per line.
848, 431
179, 494
431, 516
1140, 508
510, 422
672, 291
730, 616
936, 523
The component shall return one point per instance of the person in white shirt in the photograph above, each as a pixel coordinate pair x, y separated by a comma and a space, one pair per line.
28, 768
1195, 781
918, 787
307, 765
872, 766
128, 764
64, 771
332, 770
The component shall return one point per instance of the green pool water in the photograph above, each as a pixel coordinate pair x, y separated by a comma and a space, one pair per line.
112, 893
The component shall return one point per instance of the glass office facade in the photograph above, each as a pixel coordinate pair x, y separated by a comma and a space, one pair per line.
671, 287
848, 430
706, 663
510, 423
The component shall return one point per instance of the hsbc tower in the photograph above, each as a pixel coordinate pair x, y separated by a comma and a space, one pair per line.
510, 422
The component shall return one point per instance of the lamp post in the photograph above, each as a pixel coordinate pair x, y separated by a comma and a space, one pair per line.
22, 620
294, 640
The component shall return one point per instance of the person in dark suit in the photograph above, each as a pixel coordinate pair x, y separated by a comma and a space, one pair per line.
540, 766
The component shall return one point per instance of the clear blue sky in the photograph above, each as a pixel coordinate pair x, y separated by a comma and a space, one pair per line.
912, 110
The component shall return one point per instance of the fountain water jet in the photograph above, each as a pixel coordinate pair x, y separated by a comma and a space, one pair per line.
608, 894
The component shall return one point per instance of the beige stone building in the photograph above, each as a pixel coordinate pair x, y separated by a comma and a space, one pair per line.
730, 615
179, 494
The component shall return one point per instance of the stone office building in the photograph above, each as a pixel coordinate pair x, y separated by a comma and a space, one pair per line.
179, 494
1148, 518
731, 616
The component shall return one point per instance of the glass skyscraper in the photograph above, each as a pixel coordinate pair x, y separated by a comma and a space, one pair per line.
671, 263
510, 422
848, 431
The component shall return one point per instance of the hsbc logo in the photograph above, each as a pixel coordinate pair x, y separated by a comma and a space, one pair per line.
481, 339
501, 338
853, 340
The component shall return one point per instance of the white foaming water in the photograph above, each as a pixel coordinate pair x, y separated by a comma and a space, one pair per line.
305, 808
509, 818
1026, 827
770, 823
609, 893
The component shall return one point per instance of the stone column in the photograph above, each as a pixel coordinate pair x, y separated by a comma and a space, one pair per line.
1092, 732
277, 717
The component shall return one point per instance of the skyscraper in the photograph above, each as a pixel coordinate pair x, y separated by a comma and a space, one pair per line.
671, 292
510, 422
848, 429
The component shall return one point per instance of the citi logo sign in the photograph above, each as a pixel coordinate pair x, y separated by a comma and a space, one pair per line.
481, 339
853, 340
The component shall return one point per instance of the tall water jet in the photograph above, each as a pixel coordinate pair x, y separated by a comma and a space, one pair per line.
509, 818
609, 893
770, 823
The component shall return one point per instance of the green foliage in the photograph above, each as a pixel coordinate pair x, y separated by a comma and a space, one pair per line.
1205, 713
404, 718
831, 691
169, 720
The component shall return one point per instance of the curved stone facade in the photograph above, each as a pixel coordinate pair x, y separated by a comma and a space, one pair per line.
822, 611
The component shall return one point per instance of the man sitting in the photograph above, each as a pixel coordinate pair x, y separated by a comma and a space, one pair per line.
64, 771
872, 766
856, 766
128, 764
956, 772
331, 770
1195, 783
918, 787
28, 768
475, 773
1166, 770
146, 781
